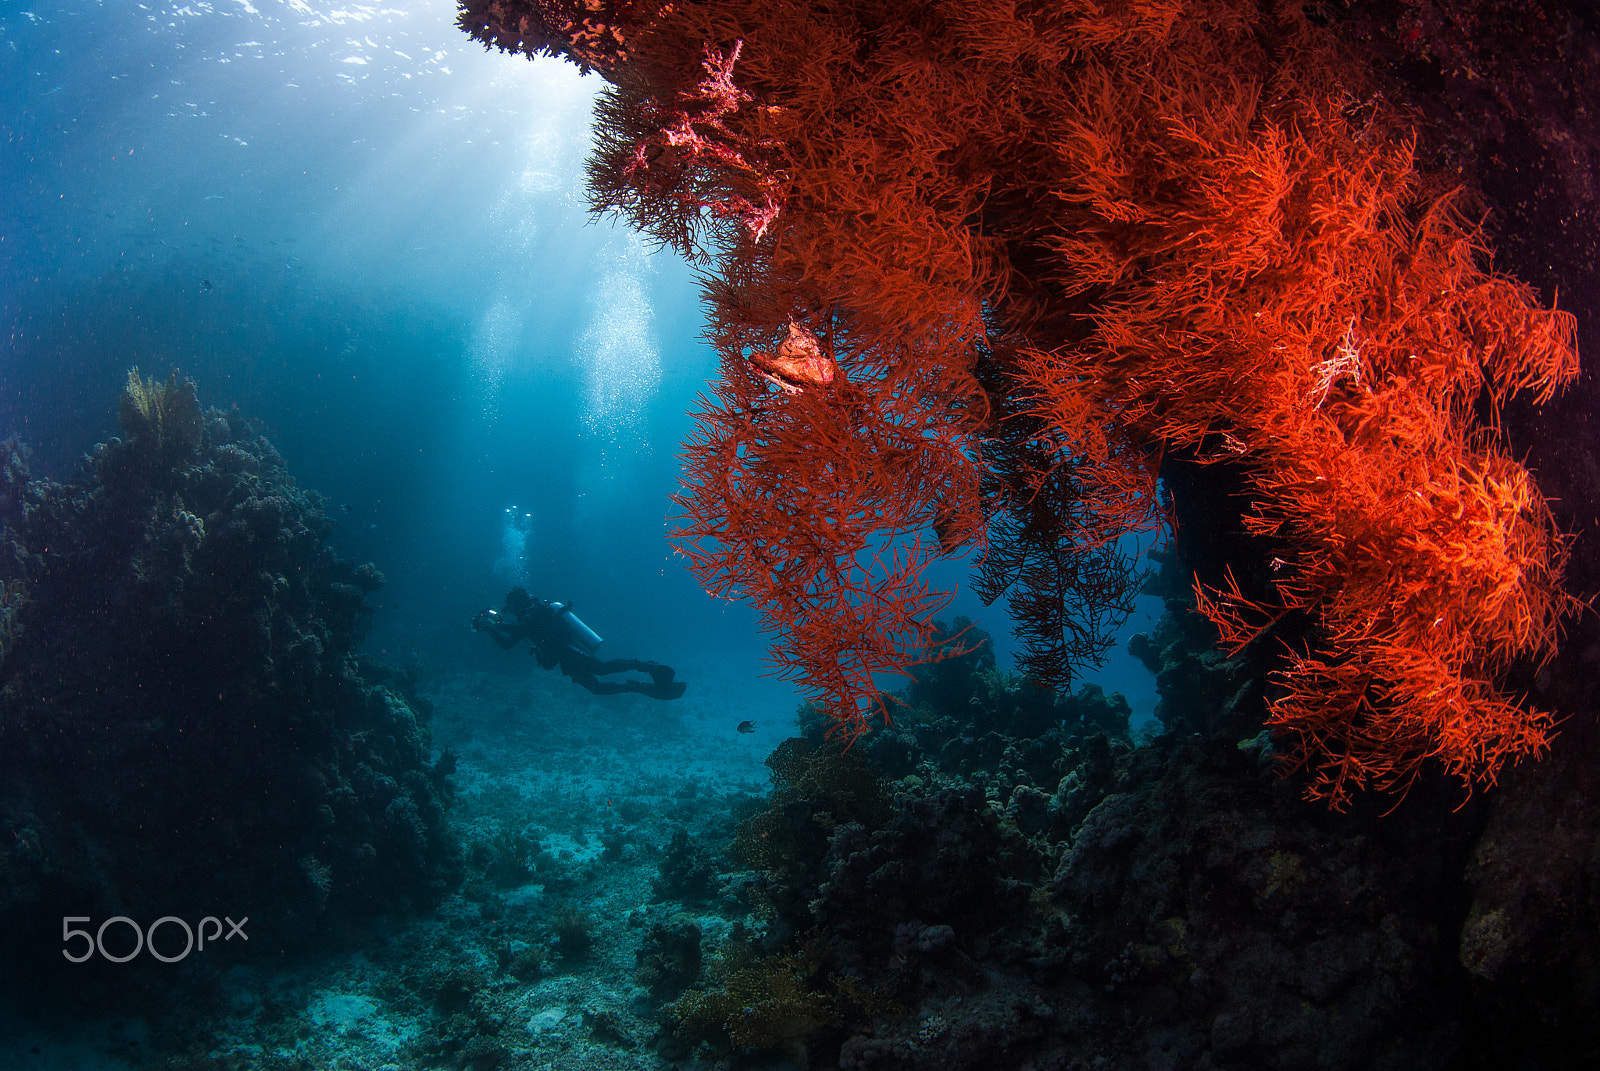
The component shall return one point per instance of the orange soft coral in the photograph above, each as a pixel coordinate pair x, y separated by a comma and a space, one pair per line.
1045, 245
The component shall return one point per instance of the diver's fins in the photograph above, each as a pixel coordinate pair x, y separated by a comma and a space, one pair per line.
664, 689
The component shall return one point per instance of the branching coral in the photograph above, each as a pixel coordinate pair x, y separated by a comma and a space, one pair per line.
760, 1002
591, 33
1047, 246
163, 419
797, 501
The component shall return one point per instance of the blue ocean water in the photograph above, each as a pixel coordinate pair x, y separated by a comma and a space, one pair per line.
354, 224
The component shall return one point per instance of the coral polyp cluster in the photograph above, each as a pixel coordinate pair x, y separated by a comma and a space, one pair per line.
1053, 250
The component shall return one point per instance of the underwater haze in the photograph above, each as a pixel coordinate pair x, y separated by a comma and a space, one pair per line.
359, 227
351, 223
358, 712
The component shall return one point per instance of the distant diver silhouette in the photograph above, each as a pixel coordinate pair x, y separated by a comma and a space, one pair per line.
559, 639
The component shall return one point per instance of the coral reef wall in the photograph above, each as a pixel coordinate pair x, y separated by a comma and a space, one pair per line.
978, 273
1037, 253
1506, 90
185, 728
1007, 879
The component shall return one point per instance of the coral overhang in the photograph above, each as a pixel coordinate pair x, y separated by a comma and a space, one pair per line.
1049, 246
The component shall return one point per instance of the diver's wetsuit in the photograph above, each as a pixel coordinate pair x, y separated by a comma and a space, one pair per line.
526, 619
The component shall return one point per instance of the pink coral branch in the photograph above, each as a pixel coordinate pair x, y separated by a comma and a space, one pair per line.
698, 135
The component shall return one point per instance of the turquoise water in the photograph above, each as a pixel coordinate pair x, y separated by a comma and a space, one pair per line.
361, 228
355, 225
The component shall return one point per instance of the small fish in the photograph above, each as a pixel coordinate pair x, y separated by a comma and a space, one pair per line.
745, 727
205, 286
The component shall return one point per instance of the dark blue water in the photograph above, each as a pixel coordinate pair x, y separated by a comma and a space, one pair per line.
355, 225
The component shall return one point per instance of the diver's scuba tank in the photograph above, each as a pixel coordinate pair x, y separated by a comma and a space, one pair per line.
576, 632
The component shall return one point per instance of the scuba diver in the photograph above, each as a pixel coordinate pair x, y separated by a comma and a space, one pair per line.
558, 638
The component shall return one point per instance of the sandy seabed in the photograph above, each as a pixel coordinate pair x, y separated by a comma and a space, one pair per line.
548, 776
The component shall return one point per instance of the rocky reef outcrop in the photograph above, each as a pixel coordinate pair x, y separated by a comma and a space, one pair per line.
1009, 878
185, 726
